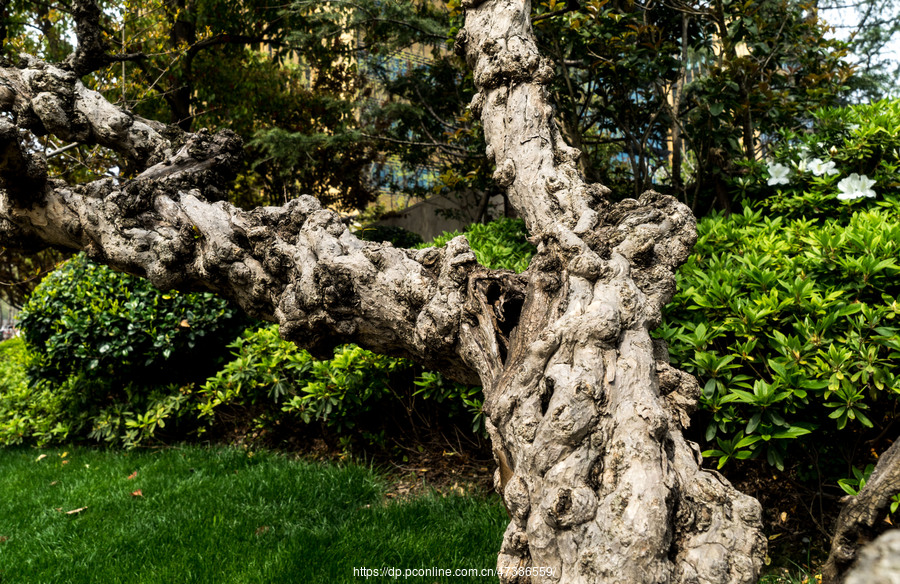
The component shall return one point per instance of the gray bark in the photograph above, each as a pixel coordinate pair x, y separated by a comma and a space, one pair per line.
583, 410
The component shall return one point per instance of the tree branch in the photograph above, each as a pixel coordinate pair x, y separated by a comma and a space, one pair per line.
297, 265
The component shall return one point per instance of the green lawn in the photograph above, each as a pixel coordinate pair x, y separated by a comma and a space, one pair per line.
221, 515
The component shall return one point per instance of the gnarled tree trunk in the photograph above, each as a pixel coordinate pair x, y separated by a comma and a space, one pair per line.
584, 413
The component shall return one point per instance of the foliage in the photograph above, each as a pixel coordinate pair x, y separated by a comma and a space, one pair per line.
341, 99
275, 373
852, 486
704, 84
112, 354
870, 28
501, 244
224, 64
789, 326
275, 381
772, 66
396, 235
24, 411
863, 139
461, 399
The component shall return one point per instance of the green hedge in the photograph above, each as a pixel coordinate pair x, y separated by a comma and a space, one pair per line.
111, 357
790, 327
787, 312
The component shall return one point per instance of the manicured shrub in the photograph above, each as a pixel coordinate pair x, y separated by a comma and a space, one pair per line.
86, 319
116, 354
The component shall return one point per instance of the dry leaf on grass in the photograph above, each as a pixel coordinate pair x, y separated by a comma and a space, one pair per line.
132, 475
137, 493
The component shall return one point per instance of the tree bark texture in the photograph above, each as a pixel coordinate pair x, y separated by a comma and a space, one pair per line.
862, 516
583, 410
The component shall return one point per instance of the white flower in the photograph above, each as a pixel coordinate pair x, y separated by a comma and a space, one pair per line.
819, 168
855, 186
778, 174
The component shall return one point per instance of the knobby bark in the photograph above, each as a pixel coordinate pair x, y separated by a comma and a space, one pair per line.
862, 518
583, 410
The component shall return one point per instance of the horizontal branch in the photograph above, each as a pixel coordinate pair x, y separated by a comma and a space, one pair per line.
297, 265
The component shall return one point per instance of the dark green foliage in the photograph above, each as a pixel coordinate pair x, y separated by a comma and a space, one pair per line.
788, 314
773, 66
272, 376
86, 319
115, 350
396, 235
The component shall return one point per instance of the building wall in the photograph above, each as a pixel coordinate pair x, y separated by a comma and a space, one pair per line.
440, 213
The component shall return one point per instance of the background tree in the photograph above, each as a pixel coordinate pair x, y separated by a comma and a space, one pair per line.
869, 27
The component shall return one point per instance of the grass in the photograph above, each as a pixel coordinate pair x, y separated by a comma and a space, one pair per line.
197, 515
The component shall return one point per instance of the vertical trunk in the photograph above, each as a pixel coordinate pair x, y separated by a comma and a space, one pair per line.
601, 486
677, 141
584, 414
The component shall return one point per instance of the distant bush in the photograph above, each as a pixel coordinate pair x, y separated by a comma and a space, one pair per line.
117, 354
398, 236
